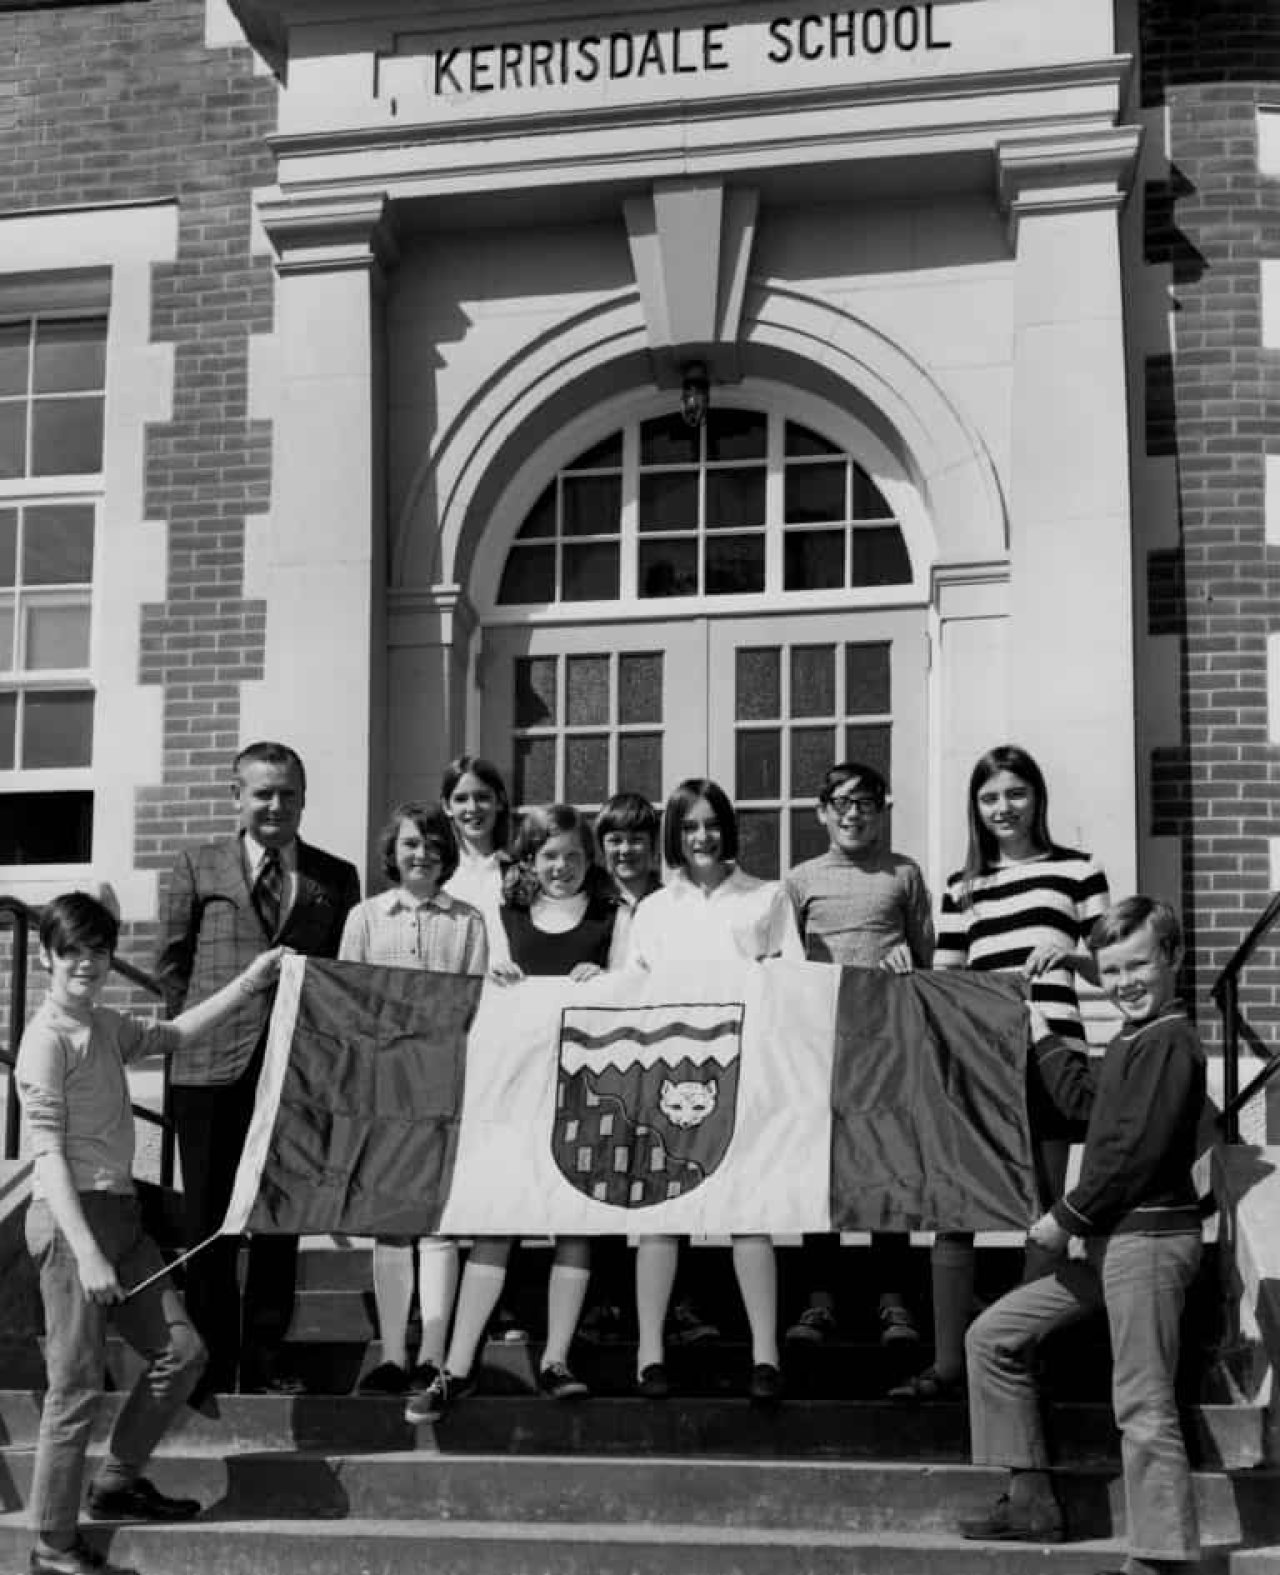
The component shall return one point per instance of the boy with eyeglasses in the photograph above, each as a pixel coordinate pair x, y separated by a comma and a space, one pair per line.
860, 905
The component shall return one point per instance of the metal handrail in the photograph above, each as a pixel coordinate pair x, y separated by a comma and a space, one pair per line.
22, 920
1226, 995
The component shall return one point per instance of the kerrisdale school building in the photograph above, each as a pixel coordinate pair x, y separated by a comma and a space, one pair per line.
630, 392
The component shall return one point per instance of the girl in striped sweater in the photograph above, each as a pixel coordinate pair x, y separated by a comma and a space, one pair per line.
1021, 904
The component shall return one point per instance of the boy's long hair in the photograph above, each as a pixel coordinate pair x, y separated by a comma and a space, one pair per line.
983, 850
77, 919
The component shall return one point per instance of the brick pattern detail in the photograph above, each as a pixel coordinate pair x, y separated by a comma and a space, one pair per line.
124, 103
1212, 406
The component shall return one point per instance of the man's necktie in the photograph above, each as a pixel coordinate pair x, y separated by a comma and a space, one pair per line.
268, 891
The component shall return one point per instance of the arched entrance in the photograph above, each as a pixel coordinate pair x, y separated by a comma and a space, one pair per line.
747, 600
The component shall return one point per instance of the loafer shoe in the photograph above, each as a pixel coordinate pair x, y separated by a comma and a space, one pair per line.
815, 1326
765, 1388
653, 1383
1004, 1523
78, 1559
558, 1383
141, 1500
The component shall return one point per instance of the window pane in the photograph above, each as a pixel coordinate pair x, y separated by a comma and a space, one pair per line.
735, 498
46, 828
736, 434
8, 545
880, 557
529, 576
868, 501
535, 691
592, 505
669, 501
758, 762
758, 838
6, 636
870, 745
56, 637
535, 771
15, 347
808, 837
813, 680
801, 442
605, 455
735, 565
640, 765
814, 493
587, 691
640, 687
57, 730
590, 573
668, 568
70, 356
668, 441
812, 753
586, 770
57, 545
8, 743
541, 518
866, 679
757, 683
813, 560
13, 440
67, 437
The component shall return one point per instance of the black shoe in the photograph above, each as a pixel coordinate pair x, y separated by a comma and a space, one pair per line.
78, 1559
387, 1378
141, 1500
687, 1326
558, 1383
765, 1388
422, 1377
433, 1403
602, 1325
1004, 1523
653, 1383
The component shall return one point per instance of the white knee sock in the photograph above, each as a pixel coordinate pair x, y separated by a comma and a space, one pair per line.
392, 1294
437, 1287
482, 1282
566, 1293
656, 1259
757, 1270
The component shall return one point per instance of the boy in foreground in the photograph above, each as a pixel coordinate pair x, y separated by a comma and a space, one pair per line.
1135, 1204
84, 1232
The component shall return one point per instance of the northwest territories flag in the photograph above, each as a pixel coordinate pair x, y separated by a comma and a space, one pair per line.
718, 1098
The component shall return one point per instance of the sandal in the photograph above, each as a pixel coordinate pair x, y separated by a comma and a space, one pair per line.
928, 1385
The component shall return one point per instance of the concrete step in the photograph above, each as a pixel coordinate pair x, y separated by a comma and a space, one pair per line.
352, 1547
423, 1484
1220, 1437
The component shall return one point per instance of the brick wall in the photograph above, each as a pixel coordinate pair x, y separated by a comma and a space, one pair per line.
1213, 410
124, 103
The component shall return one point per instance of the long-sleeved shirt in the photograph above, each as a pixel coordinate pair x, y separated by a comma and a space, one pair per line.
75, 1096
853, 910
741, 917
439, 933
1143, 1105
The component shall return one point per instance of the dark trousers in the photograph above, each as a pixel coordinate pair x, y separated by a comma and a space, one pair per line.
212, 1121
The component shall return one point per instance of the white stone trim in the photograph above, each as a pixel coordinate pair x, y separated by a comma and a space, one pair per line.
1269, 140
1269, 272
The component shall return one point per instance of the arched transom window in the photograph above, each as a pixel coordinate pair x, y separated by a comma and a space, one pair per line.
749, 503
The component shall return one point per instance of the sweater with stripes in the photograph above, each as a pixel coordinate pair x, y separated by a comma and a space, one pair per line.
995, 924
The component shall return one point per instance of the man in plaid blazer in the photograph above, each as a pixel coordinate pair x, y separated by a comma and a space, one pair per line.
225, 902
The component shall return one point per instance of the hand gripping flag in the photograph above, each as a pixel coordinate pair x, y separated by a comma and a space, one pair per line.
717, 1098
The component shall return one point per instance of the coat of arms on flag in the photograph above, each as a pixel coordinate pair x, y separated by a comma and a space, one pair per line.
645, 1098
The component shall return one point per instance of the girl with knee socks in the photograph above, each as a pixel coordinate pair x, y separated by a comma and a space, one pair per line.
1021, 904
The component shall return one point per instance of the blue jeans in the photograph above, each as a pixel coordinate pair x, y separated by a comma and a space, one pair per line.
154, 1322
1142, 1282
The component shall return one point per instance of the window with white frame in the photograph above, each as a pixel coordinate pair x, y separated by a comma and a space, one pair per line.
52, 404
661, 510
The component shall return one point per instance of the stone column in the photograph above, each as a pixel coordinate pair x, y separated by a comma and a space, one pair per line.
1071, 655
432, 687
321, 565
